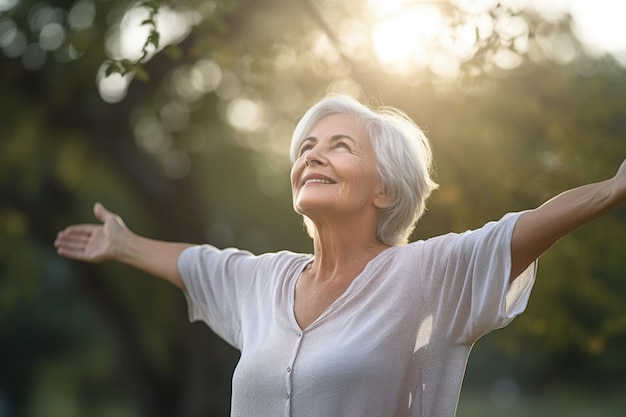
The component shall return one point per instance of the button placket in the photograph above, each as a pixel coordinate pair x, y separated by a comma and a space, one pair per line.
289, 369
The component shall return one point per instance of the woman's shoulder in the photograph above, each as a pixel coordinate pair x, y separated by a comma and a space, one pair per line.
241, 259
493, 232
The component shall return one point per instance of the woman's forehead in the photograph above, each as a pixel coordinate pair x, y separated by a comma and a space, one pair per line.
338, 124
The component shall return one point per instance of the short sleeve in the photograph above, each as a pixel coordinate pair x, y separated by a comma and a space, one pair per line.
475, 295
216, 283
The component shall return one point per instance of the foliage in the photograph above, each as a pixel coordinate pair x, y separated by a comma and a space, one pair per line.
197, 152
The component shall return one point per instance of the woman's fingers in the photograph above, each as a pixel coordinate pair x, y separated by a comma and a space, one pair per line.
74, 241
77, 232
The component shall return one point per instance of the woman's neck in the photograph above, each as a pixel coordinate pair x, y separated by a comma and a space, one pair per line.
342, 254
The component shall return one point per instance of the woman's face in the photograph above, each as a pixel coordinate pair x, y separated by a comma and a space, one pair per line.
335, 171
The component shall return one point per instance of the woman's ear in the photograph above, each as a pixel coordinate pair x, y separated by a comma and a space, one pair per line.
382, 200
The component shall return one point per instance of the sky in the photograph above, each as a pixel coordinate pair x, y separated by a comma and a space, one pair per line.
599, 24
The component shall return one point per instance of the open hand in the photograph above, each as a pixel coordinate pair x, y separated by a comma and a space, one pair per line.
93, 242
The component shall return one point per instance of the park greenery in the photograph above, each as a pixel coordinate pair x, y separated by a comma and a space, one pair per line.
177, 115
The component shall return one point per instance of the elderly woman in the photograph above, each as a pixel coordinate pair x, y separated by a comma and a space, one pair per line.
369, 325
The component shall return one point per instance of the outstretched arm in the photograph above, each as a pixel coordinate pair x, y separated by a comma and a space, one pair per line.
537, 230
113, 241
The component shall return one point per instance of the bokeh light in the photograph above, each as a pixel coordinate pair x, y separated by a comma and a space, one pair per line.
244, 115
51, 36
81, 15
151, 136
34, 57
113, 88
12, 40
6, 5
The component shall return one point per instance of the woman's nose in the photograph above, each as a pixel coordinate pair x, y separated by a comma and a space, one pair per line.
314, 156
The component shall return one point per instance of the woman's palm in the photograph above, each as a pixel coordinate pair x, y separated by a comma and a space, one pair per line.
92, 242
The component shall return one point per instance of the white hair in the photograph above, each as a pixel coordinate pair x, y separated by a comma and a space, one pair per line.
403, 160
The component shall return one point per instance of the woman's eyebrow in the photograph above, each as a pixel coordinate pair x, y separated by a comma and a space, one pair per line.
335, 138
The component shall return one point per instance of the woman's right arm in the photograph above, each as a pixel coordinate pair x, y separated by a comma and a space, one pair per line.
113, 241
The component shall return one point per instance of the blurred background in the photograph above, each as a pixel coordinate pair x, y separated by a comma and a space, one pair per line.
187, 139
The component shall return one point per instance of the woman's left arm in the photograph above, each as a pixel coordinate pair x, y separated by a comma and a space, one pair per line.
538, 229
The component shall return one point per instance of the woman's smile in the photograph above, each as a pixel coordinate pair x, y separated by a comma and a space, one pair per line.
313, 179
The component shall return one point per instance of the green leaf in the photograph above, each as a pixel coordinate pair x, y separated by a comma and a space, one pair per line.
112, 68
127, 66
153, 39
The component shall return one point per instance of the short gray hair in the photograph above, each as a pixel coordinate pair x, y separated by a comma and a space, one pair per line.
403, 159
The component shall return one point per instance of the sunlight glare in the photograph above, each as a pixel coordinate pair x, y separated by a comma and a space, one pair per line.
407, 36
423, 334
383, 7
610, 35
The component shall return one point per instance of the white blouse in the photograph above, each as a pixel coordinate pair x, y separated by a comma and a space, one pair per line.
395, 343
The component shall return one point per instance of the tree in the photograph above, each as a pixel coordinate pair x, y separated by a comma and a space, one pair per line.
182, 153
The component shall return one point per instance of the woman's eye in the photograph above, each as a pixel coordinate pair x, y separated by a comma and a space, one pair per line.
305, 148
343, 145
